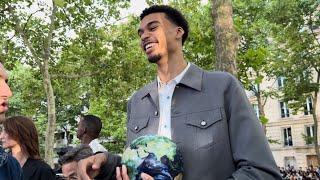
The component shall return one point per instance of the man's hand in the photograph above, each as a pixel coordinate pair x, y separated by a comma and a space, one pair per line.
123, 174
89, 168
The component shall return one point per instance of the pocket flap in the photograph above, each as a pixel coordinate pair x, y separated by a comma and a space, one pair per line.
136, 124
204, 119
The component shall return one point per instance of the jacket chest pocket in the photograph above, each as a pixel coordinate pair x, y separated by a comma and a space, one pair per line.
207, 127
141, 125
138, 124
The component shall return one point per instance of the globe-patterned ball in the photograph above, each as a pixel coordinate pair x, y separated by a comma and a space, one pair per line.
157, 156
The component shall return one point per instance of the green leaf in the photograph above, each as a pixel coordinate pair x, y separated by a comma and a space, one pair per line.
59, 3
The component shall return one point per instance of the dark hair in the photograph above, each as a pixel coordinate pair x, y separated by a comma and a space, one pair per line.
76, 154
172, 15
92, 124
23, 130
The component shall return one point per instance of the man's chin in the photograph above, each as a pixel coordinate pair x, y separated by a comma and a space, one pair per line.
154, 59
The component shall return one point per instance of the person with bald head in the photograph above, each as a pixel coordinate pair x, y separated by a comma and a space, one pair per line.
9, 166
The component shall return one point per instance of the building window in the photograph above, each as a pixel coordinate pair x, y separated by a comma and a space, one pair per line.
280, 81
284, 109
287, 137
256, 109
308, 106
309, 134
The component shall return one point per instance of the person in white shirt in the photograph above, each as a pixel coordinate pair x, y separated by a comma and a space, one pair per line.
88, 131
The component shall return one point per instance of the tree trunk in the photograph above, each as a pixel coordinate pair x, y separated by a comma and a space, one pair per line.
226, 38
42, 60
51, 114
261, 112
315, 120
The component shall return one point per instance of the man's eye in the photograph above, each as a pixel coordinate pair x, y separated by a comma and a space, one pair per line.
153, 28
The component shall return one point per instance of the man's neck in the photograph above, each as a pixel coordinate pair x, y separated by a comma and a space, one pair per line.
170, 67
86, 140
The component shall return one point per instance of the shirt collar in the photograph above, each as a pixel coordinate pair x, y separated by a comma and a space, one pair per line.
177, 79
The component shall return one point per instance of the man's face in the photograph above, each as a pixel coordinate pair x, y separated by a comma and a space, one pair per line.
157, 35
69, 170
80, 129
5, 92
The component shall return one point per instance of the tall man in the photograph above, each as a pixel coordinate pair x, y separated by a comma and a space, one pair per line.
88, 131
9, 166
206, 113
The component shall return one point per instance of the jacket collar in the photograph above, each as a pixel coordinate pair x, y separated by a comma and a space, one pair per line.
192, 78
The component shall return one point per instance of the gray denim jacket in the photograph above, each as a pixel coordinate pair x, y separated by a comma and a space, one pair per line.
213, 124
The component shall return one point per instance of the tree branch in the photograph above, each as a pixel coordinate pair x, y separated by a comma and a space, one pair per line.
23, 35
48, 39
25, 25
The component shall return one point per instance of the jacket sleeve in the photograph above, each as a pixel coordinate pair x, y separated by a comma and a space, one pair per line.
250, 149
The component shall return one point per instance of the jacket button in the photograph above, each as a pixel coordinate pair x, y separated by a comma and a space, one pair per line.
203, 123
136, 128
156, 113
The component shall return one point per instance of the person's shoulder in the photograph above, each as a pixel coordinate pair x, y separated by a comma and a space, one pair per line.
39, 163
144, 90
219, 77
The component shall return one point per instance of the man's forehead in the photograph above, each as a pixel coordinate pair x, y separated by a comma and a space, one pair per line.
153, 17
69, 167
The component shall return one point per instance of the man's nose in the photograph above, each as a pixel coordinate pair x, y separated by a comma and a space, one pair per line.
5, 90
144, 36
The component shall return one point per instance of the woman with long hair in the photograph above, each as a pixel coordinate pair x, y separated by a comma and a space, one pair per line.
20, 135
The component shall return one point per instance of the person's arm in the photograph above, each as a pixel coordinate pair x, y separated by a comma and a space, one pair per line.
108, 170
250, 149
99, 166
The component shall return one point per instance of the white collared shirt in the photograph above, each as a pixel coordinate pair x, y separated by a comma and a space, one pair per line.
96, 146
165, 91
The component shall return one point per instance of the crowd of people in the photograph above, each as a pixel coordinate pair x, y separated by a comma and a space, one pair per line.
310, 173
206, 113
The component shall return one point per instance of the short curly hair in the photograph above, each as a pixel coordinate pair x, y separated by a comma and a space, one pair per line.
172, 14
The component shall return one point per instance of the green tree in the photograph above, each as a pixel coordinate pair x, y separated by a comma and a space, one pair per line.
38, 41
255, 49
298, 56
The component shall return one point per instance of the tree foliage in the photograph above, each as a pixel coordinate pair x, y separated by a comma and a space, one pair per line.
296, 31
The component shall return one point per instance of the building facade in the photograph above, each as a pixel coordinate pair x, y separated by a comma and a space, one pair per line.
292, 132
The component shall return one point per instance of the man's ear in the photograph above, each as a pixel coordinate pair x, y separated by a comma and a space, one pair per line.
84, 130
180, 32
